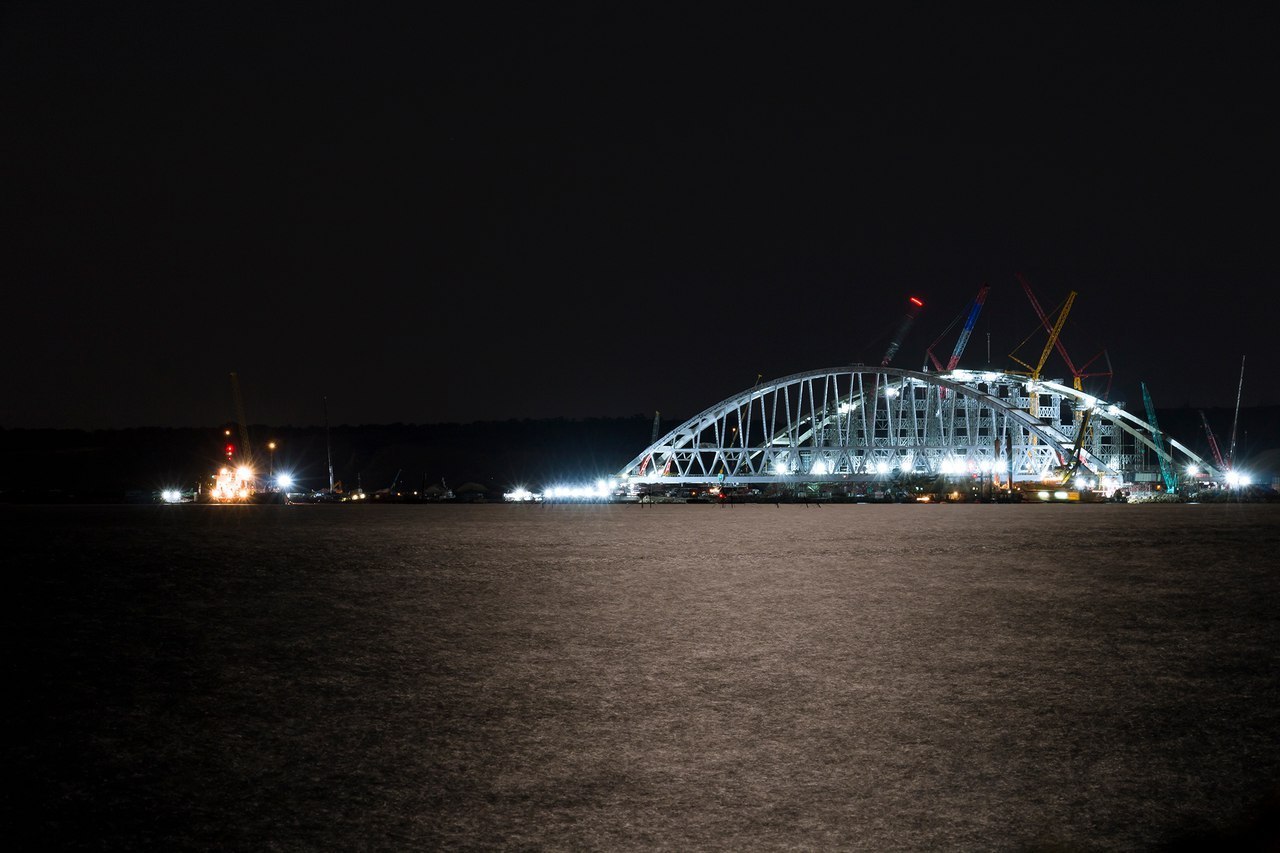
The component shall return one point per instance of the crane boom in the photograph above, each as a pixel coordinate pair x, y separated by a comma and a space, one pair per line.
1231, 453
913, 308
974, 309
1053, 335
1074, 465
1078, 374
1166, 470
963, 340
1053, 339
1213, 442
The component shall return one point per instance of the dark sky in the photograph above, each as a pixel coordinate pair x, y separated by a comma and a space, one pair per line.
549, 210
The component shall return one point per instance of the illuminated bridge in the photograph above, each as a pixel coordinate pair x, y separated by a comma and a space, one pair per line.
861, 423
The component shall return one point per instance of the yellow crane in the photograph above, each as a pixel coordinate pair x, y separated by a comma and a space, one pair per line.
1044, 354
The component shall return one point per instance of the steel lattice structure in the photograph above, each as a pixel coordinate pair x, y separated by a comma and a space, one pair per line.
862, 422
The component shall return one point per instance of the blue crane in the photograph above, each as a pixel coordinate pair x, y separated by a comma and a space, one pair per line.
974, 309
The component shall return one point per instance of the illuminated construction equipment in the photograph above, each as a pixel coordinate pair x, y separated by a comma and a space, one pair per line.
974, 309
1166, 469
861, 425
1078, 374
913, 309
1213, 442
1073, 464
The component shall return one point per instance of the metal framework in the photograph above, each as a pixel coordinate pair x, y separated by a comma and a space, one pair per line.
861, 423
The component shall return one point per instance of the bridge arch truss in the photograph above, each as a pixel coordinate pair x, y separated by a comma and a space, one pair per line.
861, 423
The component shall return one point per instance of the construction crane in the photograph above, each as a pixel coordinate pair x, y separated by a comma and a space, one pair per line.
1213, 442
1231, 452
653, 437
1078, 374
913, 308
974, 309
1166, 470
1054, 332
1034, 373
1073, 465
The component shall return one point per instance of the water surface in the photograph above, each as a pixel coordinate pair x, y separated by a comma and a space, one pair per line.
605, 677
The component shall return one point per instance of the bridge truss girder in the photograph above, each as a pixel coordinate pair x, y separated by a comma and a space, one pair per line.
860, 423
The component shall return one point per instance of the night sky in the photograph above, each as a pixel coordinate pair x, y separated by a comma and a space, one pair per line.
553, 210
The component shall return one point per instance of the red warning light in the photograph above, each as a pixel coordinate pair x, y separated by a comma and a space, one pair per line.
915, 301
231, 448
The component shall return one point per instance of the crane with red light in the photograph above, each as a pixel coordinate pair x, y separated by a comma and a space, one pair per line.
914, 304
235, 481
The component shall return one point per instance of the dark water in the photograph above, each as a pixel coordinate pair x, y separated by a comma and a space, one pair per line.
976, 677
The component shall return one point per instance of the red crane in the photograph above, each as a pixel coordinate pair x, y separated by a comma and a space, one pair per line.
1213, 442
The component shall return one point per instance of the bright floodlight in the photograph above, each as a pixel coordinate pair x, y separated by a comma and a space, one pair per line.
1236, 479
882, 467
284, 481
819, 468
244, 473
1192, 470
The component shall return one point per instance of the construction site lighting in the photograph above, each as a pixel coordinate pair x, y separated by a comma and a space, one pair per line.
1236, 479
284, 481
519, 493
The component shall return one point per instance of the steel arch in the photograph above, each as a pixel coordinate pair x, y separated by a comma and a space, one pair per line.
860, 422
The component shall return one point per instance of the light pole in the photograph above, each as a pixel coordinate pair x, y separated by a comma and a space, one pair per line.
271, 460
